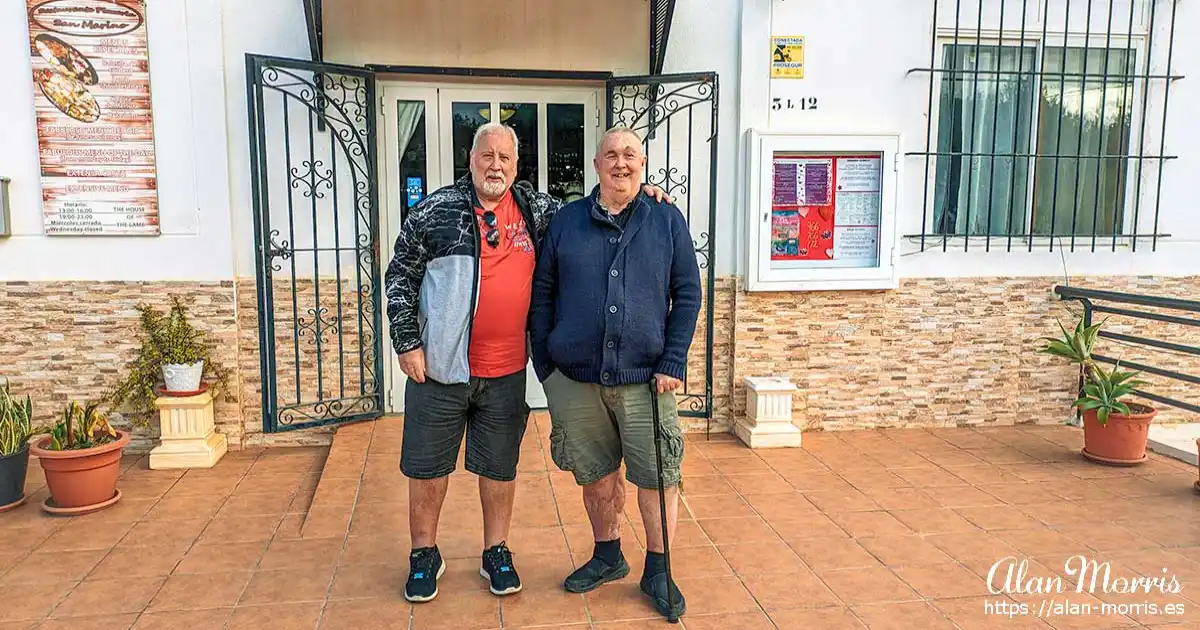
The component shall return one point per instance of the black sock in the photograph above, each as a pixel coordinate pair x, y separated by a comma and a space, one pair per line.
608, 550
655, 563
416, 549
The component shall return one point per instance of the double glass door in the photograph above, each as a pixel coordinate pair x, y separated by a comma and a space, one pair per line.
428, 131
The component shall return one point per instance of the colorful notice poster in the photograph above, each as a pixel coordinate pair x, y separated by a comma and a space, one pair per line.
91, 75
830, 205
787, 57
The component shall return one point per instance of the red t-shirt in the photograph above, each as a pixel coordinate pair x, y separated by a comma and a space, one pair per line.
498, 334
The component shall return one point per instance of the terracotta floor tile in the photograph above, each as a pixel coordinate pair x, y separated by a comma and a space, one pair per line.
1106, 537
164, 533
893, 499
1039, 542
203, 486
722, 450
214, 557
939, 521
975, 613
537, 540
1058, 513
205, 590
759, 483
469, 611
741, 621
239, 529
687, 534
106, 596
753, 558
54, 566
718, 507
212, 619
83, 535
822, 480
977, 543
694, 562
903, 550
370, 580
837, 618
992, 518
540, 606
964, 496
298, 554
842, 501
382, 492
942, 581
815, 525
290, 616
706, 486
125, 562
780, 507
145, 488
257, 504
102, 622
309, 584
377, 614
800, 589
707, 596
867, 586
740, 465
740, 529
623, 600
185, 507
649, 623
32, 601
907, 616
826, 554
1010, 574
1020, 493
871, 479
929, 477
986, 474
869, 524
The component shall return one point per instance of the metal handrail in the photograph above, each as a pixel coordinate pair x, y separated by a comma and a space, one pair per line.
1086, 297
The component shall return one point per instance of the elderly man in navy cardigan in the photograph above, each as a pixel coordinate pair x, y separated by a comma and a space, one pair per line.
616, 294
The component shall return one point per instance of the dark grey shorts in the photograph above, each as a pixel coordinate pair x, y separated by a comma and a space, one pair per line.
493, 413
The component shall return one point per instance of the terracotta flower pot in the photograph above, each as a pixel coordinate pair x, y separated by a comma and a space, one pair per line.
1122, 442
81, 478
12, 478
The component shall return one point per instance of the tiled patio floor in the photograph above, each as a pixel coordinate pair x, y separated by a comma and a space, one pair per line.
888, 529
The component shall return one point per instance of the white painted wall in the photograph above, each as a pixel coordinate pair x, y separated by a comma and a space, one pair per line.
187, 88
857, 55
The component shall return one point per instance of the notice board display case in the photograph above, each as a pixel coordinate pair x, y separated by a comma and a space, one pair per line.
822, 211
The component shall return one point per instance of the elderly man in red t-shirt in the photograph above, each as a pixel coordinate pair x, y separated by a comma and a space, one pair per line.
458, 292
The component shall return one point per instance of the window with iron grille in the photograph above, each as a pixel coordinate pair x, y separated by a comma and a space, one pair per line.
1039, 129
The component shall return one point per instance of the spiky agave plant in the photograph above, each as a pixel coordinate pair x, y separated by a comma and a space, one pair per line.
16, 421
1102, 391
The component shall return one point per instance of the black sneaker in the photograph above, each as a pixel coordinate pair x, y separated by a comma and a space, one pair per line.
499, 570
425, 568
594, 573
656, 588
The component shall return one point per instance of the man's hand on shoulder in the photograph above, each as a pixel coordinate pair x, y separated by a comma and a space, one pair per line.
412, 363
667, 383
659, 194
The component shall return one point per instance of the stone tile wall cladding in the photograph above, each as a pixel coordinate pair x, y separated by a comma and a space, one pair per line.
935, 352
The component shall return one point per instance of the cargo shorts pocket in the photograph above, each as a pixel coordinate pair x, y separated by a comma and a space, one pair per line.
559, 452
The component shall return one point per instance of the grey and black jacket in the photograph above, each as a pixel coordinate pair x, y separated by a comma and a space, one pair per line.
432, 282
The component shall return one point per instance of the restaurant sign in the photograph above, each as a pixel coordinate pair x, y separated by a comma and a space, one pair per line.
91, 72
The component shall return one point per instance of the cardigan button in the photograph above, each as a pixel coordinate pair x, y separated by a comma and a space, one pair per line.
612, 309
610, 344
612, 240
613, 273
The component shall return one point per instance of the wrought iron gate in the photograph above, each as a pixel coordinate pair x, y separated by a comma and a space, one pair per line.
676, 116
314, 176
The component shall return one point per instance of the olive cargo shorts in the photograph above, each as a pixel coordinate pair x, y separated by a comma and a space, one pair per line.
593, 426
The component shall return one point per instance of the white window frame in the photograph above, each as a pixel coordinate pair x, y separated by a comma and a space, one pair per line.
1034, 40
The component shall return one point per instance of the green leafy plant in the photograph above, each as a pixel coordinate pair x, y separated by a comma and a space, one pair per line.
79, 428
166, 338
15, 421
1102, 391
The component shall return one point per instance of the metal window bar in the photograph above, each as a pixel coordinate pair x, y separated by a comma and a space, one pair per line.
1131, 62
1089, 298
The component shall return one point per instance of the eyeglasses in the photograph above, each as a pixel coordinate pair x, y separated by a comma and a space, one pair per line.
493, 235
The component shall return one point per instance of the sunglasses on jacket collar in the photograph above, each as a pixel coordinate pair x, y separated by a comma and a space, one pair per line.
493, 234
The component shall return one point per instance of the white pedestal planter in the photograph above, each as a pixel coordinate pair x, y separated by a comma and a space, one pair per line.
768, 422
188, 437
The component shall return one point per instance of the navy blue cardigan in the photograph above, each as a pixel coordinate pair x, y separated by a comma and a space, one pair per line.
614, 306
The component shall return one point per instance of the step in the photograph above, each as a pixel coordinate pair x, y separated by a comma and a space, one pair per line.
1177, 441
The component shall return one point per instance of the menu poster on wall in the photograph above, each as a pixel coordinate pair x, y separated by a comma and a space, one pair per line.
826, 208
91, 74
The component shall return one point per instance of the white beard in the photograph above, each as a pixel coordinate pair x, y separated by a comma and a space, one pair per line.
493, 189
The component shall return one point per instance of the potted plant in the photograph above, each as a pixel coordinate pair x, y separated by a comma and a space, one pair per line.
81, 457
15, 431
173, 353
1115, 430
